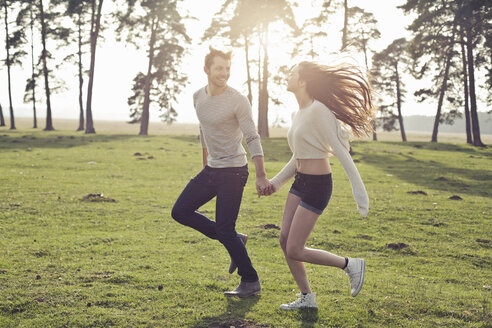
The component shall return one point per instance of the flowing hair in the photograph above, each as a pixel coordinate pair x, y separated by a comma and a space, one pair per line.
345, 90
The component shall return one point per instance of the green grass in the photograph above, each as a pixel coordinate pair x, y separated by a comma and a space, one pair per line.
69, 263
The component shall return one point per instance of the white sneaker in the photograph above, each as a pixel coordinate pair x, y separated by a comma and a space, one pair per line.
307, 301
355, 270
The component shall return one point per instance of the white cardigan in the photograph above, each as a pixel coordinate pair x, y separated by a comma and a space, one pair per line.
316, 133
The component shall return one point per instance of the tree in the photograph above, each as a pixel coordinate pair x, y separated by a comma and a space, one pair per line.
160, 24
388, 66
32, 12
363, 29
345, 25
44, 55
255, 17
2, 120
436, 34
237, 30
27, 16
469, 137
78, 11
433, 45
331, 6
13, 42
311, 32
95, 28
472, 17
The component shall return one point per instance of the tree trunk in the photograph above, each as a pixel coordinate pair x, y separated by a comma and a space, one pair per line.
469, 138
144, 121
49, 122
81, 77
364, 48
345, 23
473, 100
2, 120
7, 47
398, 104
441, 98
260, 42
443, 86
263, 96
374, 135
246, 50
312, 47
35, 120
95, 26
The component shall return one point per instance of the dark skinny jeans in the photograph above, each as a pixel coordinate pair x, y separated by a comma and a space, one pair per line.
227, 184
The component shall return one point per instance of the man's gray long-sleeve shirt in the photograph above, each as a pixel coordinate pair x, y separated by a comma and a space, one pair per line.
224, 119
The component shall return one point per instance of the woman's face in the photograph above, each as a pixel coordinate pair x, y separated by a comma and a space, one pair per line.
293, 80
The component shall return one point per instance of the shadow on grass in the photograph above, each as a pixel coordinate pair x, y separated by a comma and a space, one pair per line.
23, 141
233, 315
461, 148
434, 175
309, 317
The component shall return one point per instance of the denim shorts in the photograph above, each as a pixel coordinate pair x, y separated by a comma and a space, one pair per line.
314, 191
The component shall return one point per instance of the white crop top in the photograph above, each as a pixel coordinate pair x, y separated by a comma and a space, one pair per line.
316, 133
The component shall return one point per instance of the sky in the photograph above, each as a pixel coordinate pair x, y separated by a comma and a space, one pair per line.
117, 64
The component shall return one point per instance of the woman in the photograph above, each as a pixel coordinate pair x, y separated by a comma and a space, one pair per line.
331, 99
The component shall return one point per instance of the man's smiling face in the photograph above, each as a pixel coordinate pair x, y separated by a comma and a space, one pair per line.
219, 72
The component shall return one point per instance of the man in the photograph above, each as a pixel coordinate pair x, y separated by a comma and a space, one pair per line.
225, 116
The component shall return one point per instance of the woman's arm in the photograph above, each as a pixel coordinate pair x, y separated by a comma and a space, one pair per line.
285, 174
337, 140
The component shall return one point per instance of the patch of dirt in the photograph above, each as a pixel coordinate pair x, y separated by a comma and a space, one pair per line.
270, 226
98, 198
364, 237
441, 179
236, 323
397, 246
417, 192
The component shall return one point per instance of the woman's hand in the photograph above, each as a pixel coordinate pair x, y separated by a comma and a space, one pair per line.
270, 189
362, 210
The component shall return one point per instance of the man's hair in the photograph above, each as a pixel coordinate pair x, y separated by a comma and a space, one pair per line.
209, 58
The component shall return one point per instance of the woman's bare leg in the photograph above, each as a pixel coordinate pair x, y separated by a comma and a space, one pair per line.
301, 226
297, 268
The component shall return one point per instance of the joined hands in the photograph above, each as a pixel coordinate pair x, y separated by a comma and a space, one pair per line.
264, 187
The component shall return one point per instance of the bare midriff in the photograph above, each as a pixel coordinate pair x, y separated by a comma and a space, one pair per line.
317, 166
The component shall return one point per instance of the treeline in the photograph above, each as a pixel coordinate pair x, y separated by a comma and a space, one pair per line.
450, 46
157, 24
422, 123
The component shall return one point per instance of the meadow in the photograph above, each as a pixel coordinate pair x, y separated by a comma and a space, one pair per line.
118, 259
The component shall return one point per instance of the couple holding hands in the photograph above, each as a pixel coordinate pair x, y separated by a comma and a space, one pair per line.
332, 100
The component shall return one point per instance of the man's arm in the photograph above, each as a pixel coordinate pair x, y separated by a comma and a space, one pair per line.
204, 147
262, 183
205, 155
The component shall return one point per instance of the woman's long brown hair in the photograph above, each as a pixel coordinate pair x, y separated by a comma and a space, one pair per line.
345, 90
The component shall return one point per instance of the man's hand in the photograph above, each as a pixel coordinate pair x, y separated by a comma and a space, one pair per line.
262, 185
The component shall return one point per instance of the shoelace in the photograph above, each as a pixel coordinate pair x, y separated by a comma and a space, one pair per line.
298, 301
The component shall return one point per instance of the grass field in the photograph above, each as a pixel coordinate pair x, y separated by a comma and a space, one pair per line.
66, 262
